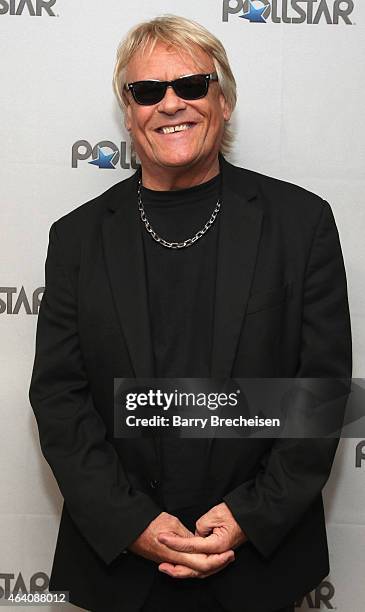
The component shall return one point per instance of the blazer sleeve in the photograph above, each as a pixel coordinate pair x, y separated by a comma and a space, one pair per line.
109, 513
295, 471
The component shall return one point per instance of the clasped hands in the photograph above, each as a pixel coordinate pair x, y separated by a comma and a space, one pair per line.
183, 554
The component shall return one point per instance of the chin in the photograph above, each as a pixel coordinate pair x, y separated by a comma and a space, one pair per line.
177, 160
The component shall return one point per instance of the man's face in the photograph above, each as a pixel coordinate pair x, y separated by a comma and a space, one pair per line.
203, 118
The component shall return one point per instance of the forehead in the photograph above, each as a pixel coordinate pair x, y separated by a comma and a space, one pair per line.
166, 62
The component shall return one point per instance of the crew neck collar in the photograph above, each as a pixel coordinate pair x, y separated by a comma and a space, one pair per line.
186, 195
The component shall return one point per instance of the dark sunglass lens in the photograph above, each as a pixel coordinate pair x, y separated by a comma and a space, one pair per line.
148, 92
192, 87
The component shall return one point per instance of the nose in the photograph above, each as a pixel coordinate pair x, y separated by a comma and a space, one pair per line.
171, 103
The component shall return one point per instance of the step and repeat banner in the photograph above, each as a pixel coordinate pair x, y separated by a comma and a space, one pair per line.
299, 67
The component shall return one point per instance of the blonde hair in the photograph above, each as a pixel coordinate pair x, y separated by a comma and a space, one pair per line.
182, 34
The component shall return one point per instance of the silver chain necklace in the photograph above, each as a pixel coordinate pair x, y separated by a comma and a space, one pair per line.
174, 245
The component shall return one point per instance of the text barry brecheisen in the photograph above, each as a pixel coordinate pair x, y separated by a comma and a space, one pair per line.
200, 422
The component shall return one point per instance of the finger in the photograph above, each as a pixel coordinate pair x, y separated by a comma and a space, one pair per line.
201, 562
204, 528
214, 543
177, 571
181, 571
215, 571
207, 522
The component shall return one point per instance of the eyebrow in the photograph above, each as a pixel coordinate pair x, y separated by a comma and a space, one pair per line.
169, 80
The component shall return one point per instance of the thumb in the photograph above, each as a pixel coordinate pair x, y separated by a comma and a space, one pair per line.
203, 526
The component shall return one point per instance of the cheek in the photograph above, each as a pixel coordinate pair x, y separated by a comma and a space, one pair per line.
214, 119
140, 120
215, 126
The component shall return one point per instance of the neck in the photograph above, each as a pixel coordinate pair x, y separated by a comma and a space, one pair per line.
169, 179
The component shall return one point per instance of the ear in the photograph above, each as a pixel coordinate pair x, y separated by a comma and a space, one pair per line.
226, 111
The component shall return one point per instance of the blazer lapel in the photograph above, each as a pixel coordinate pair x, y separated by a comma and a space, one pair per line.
124, 256
239, 234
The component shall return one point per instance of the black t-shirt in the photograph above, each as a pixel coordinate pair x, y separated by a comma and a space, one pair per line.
181, 294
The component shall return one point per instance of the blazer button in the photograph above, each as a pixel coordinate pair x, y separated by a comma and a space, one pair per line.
154, 484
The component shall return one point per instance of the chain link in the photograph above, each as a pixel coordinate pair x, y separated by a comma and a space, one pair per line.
174, 245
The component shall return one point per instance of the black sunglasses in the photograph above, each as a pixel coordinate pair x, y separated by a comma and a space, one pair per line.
190, 87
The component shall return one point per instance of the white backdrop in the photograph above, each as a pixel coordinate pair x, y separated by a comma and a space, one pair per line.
299, 118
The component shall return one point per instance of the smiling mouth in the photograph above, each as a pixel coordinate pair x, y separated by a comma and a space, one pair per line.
171, 129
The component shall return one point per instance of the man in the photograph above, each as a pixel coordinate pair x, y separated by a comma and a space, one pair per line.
192, 267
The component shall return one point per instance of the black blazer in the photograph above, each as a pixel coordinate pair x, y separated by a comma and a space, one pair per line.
281, 310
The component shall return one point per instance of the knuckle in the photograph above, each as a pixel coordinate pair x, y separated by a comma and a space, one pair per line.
198, 522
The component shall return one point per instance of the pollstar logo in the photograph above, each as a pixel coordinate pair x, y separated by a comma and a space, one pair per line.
104, 155
290, 11
319, 599
34, 8
14, 303
360, 454
10, 583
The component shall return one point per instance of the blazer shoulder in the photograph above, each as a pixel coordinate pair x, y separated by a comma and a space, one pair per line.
295, 208
280, 192
89, 214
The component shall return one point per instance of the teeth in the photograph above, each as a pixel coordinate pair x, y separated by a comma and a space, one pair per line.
176, 128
